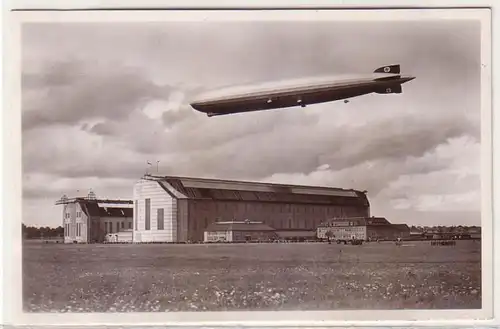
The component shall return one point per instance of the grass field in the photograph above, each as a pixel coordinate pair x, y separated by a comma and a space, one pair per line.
316, 276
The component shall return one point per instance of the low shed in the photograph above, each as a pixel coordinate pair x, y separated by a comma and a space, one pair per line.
296, 235
238, 232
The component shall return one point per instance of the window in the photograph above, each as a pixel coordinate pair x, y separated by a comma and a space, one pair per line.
160, 219
148, 214
129, 225
79, 229
117, 226
136, 214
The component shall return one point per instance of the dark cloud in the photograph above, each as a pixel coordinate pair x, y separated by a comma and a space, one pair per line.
50, 196
301, 148
104, 129
71, 91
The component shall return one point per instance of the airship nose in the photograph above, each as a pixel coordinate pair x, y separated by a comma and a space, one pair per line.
196, 106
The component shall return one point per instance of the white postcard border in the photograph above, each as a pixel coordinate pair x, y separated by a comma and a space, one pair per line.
12, 180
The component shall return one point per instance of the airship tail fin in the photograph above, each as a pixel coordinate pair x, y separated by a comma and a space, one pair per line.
397, 89
394, 69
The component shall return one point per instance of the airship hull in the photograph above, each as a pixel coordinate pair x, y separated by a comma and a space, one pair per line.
301, 96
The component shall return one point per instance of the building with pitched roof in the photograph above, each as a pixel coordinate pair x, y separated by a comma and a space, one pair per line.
242, 231
179, 209
362, 228
89, 220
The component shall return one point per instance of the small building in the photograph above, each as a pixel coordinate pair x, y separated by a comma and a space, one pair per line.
243, 231
89, 220
362, 228
343, 229
379, 228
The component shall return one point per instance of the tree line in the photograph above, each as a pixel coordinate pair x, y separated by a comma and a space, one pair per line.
31, 232
444, 229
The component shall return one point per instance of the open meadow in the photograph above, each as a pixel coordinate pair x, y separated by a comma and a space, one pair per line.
305, 276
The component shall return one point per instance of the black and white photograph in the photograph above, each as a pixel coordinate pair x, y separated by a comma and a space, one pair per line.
205, 162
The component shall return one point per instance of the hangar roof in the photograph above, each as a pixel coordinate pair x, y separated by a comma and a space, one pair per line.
92, 209
357, 221
401, 227
214, 189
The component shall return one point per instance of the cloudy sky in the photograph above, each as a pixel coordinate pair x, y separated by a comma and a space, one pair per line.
100, 100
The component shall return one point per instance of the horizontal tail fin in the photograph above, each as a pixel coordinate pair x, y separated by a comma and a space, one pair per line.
394, 69
397, 89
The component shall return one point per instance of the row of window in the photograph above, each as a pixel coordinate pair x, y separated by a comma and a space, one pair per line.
109, 227
78, 229
68, 215
350, 229
160, 216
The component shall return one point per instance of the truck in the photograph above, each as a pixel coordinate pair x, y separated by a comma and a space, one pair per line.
352, 240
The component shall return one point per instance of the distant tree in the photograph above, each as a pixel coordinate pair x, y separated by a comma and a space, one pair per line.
59, 231
31, 232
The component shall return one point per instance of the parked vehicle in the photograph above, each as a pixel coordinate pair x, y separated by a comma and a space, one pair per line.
353, 241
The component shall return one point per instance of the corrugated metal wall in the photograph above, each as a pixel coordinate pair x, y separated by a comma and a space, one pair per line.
182, 220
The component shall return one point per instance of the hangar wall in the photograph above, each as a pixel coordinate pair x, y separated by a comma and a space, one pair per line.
277, 215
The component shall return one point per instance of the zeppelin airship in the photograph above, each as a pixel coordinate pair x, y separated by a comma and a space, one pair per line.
285, 94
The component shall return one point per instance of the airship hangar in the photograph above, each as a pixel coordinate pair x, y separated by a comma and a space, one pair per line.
285, 94
180, 209
172, 209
